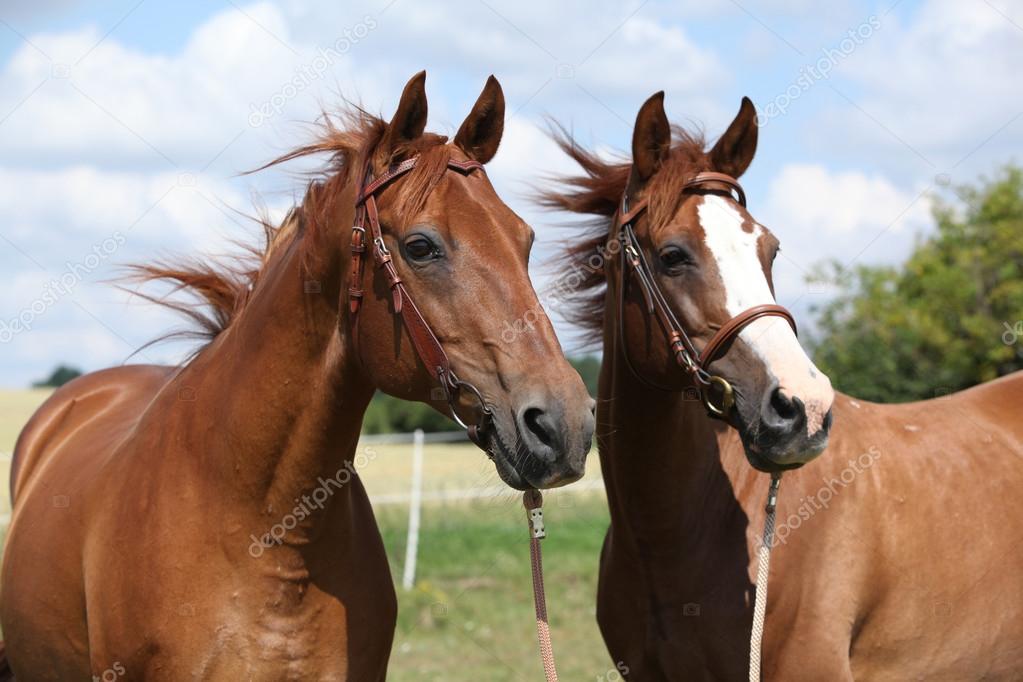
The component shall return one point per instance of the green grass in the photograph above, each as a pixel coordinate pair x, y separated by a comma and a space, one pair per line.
470, 616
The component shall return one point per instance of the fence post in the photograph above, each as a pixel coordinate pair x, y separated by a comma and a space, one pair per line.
408, 577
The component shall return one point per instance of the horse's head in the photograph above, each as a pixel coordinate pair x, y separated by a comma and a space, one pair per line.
712, 260
681, 287
461, 254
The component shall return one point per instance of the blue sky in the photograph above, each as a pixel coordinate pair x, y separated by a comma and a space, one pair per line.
123, 125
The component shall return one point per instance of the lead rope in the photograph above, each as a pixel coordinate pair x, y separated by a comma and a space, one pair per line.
763, 570
533, 501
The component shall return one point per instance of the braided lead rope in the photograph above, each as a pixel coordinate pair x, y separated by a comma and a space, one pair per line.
763, 570
533, 501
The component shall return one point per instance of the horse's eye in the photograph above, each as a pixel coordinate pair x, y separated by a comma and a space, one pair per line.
674, 258
421, 249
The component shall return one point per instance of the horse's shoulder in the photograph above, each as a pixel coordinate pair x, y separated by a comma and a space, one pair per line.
107, 399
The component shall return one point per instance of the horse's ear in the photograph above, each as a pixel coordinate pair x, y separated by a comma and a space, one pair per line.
651, 138
409, 121
734, 152
482, 129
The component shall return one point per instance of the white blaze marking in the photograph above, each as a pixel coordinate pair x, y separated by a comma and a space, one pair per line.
770, 338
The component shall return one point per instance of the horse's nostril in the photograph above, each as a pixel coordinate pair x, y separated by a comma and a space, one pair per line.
784, 407
538, 423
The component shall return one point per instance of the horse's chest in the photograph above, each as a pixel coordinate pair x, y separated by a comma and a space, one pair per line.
311, 644
336, 631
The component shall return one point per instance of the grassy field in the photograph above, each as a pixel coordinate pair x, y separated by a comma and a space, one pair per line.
15, 409
470, 615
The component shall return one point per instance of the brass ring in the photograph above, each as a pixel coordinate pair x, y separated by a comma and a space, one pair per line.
727, 396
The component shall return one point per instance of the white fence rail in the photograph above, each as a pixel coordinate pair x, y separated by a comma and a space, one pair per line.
408, 577
417, 496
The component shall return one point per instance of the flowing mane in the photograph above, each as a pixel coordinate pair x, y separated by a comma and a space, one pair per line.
597, 192
222, 286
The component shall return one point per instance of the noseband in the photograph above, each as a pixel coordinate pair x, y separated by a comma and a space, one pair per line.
424, 340
696, 363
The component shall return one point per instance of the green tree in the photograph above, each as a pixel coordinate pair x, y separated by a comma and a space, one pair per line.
945, 320
387, 414
588, 367
59, 377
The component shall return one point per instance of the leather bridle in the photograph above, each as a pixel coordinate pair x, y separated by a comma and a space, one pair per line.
695, 362
429, 349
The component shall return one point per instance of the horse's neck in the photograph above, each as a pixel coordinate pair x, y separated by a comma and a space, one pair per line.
668, 480
280, 393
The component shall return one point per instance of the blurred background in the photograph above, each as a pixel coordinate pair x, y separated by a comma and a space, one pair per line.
887, 166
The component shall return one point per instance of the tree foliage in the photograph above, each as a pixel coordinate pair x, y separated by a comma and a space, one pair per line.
949, 318
387, 414
588, 367
59, 377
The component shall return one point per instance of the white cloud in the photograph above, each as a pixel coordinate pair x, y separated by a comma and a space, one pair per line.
84, 139
526, 156
941, 83
850, 216
75, 229
86, 324
116, 106
63, 212
815, 201
606, 68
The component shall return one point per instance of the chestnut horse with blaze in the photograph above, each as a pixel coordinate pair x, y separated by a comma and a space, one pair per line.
166, 473
898, 553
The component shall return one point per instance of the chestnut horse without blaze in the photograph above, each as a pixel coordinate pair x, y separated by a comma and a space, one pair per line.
168, 472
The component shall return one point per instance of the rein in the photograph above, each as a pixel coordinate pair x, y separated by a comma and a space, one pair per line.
533, 502
697, 363
429, 349
756, 637
431, 352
